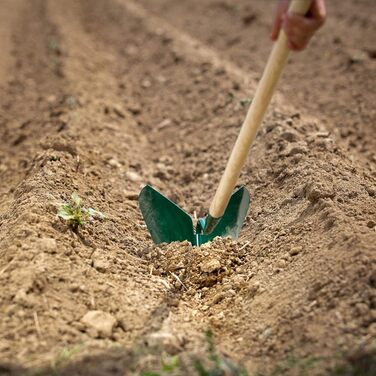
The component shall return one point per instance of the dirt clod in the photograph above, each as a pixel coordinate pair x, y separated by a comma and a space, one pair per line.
210, 265
295, 250
166, 341
48, 245
100, 323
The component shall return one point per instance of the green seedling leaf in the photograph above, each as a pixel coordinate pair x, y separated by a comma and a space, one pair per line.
76, 199
65, 215
245, 102
53, 44
75, 214
171, 365
95, 213
220, 366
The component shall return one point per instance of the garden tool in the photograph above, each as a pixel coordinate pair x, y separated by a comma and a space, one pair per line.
167, 222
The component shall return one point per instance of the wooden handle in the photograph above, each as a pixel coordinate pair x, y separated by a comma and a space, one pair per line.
255, 115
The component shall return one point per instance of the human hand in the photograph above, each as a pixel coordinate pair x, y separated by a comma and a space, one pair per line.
299, 29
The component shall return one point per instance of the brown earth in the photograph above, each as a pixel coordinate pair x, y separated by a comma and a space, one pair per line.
100, 97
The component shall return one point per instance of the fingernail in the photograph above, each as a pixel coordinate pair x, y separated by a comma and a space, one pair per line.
321, 9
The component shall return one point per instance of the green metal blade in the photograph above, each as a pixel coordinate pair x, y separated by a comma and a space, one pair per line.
232, 220
165, 221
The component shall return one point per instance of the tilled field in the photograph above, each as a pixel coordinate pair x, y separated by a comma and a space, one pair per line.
100, 97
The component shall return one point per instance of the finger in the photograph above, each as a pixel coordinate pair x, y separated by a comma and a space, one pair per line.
299, 30
301, 24
297, 43
297, 46
281, 9
318, 10
276, 27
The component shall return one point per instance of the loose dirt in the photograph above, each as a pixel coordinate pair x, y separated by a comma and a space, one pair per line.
101, 97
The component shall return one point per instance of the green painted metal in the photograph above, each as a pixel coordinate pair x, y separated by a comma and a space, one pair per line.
231, 223
208, 224
167, 222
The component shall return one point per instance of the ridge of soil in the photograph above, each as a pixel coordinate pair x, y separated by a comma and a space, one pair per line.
100, 101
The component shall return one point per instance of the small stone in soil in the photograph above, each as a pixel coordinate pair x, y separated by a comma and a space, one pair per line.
114, 163
253, 288
48, 245
165, 123
118, 111
131, 195
100, 263
295, 250
371, 224
99, 323
296, 148
210, 266
24, 299
221, 295
134, 108
165, 340
133, 176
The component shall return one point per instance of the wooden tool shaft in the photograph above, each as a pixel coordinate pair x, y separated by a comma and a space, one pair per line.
255, 115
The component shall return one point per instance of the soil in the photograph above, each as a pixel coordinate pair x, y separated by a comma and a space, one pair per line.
101, 97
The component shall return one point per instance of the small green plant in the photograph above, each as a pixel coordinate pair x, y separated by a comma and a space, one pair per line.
359, 364
76, 214
293, 365
212, 364
71, 101
245, 102
66, 355
53, 44
219, 365
167, 367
